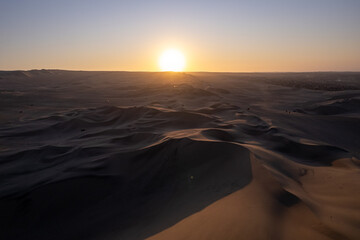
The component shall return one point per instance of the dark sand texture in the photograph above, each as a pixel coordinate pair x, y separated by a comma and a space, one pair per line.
170, 156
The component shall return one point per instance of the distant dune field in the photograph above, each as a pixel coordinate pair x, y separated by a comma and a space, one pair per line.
170, 156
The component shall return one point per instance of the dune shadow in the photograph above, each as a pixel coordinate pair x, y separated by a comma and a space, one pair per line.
130, 194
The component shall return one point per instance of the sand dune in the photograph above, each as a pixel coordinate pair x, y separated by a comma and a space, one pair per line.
125, 155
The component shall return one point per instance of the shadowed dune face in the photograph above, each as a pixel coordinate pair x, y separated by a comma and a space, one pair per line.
121, 155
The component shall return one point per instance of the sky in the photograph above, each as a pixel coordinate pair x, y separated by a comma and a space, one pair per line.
216, 36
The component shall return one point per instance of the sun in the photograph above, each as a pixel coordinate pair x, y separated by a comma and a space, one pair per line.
172, 60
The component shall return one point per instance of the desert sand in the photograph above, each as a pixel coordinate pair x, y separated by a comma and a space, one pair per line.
170, 156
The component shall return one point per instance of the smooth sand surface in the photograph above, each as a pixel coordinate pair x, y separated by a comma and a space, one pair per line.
136, 155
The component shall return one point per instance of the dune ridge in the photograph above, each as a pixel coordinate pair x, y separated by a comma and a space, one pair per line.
125, 155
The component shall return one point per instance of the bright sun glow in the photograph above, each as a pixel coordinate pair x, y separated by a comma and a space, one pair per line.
172, 60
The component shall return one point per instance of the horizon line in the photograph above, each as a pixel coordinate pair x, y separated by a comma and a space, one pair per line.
140, 71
